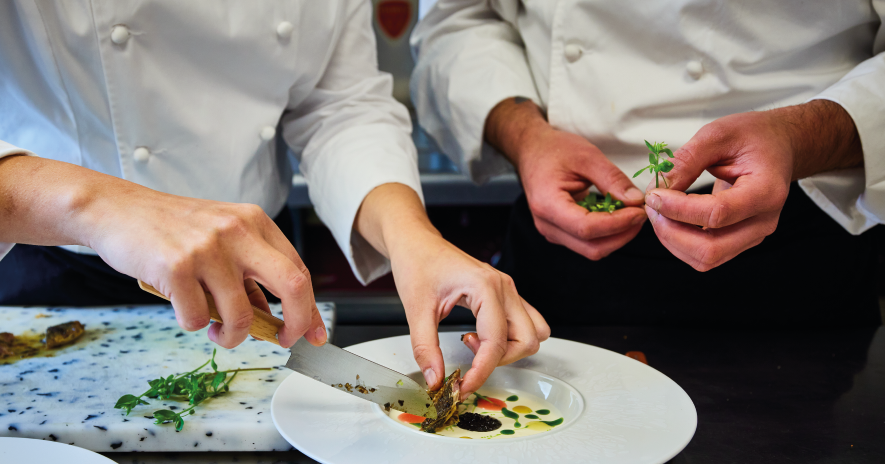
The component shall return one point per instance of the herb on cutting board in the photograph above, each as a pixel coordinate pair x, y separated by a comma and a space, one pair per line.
606, 205
193, 387
659, 164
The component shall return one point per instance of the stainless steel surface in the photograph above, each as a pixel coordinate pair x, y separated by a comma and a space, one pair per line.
360, 377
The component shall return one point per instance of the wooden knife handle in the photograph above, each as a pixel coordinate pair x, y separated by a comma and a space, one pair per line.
264, 326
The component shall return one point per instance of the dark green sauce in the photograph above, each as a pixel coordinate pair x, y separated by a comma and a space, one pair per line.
507, 432
512, 398
531, 416
543, 412
553, 423
510, 414
517, 424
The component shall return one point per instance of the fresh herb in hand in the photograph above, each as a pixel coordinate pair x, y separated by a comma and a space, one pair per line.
607, 205
192, 387
659, 164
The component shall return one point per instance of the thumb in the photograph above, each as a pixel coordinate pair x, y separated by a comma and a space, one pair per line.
316, 331
705, 149
608, 178
425, 348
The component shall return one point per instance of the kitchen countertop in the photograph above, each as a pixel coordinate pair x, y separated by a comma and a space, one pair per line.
69, 397
761, 395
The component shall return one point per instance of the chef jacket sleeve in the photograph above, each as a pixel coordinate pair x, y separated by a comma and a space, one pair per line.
9, 150
469, 57
855, 198
351, 136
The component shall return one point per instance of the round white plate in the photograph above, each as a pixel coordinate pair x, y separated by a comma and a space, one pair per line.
623, 411
33, 451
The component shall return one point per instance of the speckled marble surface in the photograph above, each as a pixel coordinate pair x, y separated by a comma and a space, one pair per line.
70, 396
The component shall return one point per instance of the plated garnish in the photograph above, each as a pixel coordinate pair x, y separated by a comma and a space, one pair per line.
659, 165
446, 401
194, 387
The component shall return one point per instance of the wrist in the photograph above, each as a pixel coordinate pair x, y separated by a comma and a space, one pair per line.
512, 125
391, 217
822, 137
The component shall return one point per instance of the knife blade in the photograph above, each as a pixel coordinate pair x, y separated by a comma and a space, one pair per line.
360, 377
336, 367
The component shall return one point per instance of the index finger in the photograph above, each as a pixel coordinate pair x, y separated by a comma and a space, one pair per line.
750, 195
491, 327
285, 280
576, 221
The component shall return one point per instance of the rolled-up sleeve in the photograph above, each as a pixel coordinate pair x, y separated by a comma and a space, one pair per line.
351, 136
469, 57
7, 149
855, 198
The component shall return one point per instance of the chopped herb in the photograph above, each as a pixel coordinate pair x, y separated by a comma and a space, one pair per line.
605, 206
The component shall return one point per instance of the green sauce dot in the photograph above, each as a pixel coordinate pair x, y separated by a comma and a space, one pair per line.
509, 413
517, 424
531, 416
512, 398
553, 423
543, 412
507, 432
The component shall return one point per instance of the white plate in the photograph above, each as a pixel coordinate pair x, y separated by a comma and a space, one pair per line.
621, 411
32, 451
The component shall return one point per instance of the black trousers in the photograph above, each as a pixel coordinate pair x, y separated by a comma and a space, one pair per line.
810, 272
50, 276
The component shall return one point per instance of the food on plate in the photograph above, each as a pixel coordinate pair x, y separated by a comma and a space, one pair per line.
63, 334
6, 340
491, 413
446, 400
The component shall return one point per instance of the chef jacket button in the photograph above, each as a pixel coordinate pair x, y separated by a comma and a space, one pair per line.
267, 133
119, 34
141, 154
573, 52
284, 30
694, 69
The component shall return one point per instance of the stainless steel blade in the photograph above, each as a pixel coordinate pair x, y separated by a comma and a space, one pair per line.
360, 377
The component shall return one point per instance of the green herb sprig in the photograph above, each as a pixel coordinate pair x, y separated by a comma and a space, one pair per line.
659, 164
193, 387
594, 205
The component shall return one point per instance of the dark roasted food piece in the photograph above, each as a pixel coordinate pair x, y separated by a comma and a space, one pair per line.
478, 422
62, 334
446, 400
6, 339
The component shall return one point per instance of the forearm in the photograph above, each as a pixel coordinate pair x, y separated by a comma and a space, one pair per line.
392, 216
509, 124
46, 202
823, 138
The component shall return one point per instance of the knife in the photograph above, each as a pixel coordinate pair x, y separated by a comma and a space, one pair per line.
337, 368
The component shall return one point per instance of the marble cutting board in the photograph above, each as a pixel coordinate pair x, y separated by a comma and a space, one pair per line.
70, 396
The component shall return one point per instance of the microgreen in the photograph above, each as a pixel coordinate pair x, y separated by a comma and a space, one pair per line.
606, 205
659, 164
193, 387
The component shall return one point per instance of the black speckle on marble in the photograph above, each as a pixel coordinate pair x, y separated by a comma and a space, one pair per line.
165, 329
106, 323
270, 380
172, 407
41, 423
53, 437
69, 362
136, 336
47, 394
25, 372
13, 428
13, 410
117, 444
34, 389
91, 416
100, 428
248, 407
179, 334
242, 402
56, 377
133, 327
196, 444
105, 345
208, 434
148, 417
89, 379
52, 370
142, 438
124, 351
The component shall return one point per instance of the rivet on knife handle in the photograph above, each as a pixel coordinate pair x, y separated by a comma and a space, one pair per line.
264, 326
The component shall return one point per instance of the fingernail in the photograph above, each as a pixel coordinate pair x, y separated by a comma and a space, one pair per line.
430, 376
633, 194
321, 334
654, 201
639, 220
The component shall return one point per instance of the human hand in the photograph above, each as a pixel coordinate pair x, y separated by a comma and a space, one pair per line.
754, 156
184, 247
433, 276
557, 168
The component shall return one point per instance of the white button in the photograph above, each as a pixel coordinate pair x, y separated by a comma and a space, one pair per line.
694, 69
573, 52
284, 29
141, 154
119, 34
267, 133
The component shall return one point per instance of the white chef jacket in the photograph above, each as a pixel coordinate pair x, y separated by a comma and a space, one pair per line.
619, 72
183, 97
